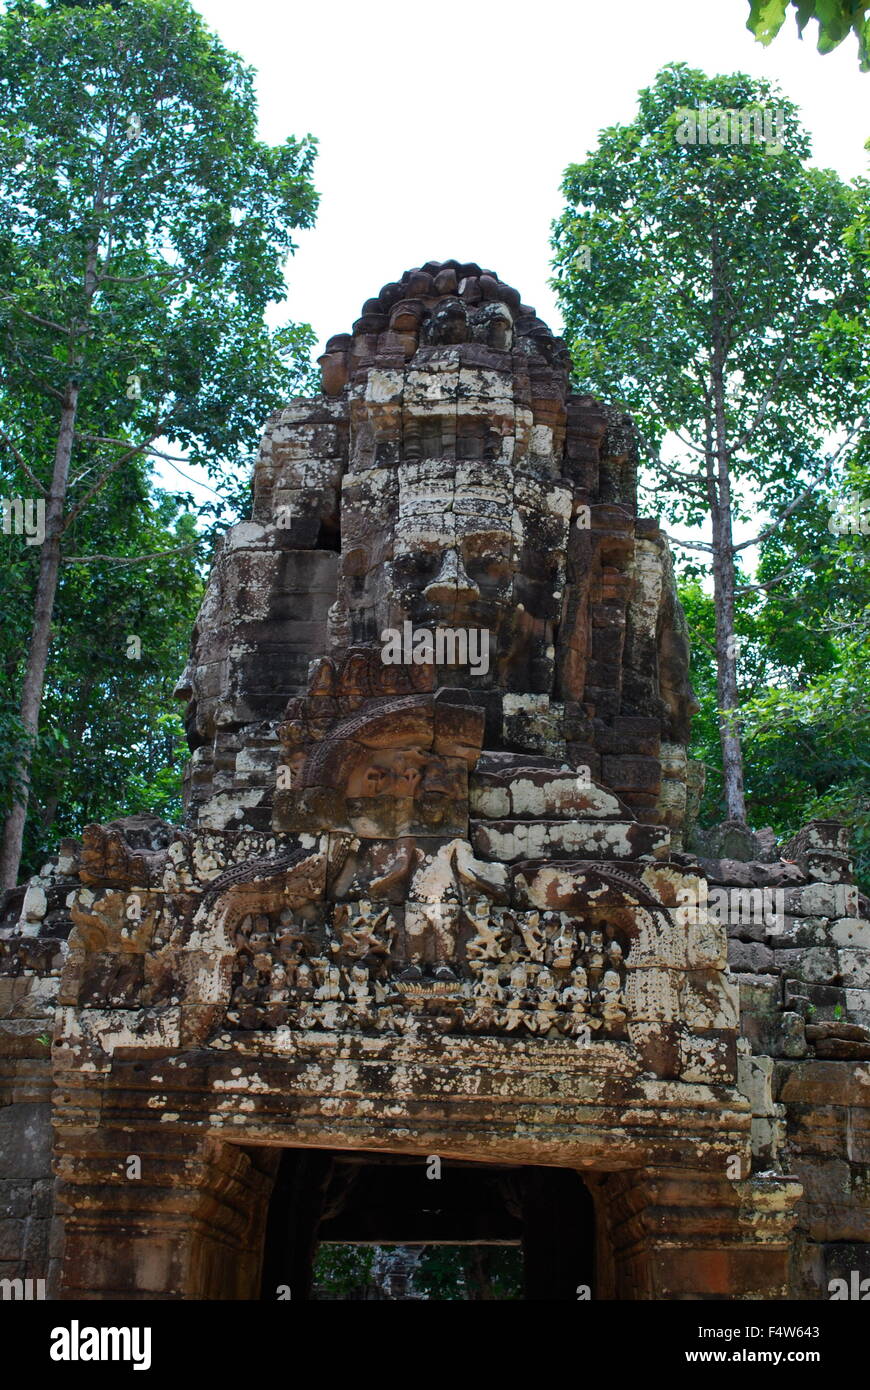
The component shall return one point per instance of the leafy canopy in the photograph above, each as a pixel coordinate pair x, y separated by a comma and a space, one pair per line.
835, 18
128, 142
144, 232
649, 216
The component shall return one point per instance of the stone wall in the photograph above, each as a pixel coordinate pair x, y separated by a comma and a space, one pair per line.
30, 966
799, 950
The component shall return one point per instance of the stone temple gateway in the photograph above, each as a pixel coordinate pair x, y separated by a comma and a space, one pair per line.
433, 906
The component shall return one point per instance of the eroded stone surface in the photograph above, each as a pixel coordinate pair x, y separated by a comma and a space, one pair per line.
440, 905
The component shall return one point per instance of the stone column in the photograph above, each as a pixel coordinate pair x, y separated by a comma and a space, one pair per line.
678, 1234
190, 1226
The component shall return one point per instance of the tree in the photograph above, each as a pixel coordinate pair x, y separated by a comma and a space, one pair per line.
836, 19
476, 1273
698, 261
802, 643
143, 234
808, 725
447, 1273
342, 1272
111, 739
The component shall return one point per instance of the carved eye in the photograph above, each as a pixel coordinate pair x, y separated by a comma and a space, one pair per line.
411, 569
494, 565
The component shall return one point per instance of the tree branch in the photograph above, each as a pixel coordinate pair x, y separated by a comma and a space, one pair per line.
656, 462
128, 559
807, 492
64, 330
688, 545
22, 464
769, 583
113, 468
780, 367
696, 448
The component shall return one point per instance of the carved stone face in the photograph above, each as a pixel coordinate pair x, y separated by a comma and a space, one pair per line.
470, 546
394, 772
453, 554
388, 790
398, 768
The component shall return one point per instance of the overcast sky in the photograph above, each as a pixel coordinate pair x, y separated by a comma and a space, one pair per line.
444, 129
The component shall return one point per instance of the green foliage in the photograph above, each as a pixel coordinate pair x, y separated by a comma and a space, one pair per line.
835, 18
144, 231
653, 213
470, 1273
111, 740
805, 679
446, 1273
342, 1272
131, 131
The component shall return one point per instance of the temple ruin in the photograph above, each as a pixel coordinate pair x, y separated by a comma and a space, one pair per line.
438, 892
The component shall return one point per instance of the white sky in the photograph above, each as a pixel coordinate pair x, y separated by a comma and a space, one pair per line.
444, 129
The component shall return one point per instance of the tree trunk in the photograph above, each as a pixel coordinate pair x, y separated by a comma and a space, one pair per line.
475, 1267
46, 585
37, 657
726, 669
719, 492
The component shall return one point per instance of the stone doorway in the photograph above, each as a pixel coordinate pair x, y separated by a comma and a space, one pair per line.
349, 1198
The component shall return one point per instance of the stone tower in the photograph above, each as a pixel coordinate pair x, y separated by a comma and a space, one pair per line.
432, 894
446, 478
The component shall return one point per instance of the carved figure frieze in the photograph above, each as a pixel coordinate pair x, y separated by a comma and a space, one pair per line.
364, 968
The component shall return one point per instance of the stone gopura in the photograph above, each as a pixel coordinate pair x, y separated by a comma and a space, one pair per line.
432, 895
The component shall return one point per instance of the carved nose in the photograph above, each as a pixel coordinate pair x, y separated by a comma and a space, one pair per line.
184, 687
451, 584
437, 779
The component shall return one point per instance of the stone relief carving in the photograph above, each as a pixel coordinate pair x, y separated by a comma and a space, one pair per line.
361, 968
393, 845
